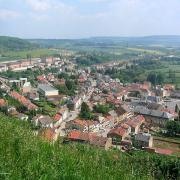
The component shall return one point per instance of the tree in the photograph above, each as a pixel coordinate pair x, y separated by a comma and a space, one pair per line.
70, 106
173, 128
15, 87
105, 91
70, 85
63, 75
21, 108
85, 112
152, 78
176, 109
160, 78
99, 108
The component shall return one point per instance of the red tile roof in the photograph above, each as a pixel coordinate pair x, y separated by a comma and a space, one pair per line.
120, 131
84, 136
2, 102
84, 122
47, 134
135, 121
27, 103
41, 78
57, 117
74, 135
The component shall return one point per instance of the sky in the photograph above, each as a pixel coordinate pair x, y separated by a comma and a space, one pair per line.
88, 18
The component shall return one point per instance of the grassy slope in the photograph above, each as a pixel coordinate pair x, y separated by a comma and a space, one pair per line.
23, 156
15, 44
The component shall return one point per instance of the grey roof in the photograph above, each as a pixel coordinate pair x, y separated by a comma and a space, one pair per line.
157, 113
46, 87
153, 98
112, 113
21, 115
44, 120
145, 137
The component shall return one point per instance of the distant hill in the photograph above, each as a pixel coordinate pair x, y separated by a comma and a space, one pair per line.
169, 40
15, 44
109, 41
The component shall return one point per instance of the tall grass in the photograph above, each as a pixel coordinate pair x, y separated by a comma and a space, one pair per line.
23, 156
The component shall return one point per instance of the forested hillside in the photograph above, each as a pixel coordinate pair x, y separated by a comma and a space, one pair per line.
23, 156
15, 44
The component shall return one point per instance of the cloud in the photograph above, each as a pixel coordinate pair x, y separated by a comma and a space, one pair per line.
47, 6
82, 18
39, 5
6, 14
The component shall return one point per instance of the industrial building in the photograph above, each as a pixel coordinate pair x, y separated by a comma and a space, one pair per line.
47, 90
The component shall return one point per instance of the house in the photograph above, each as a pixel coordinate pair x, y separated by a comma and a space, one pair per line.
60, 82
123, 111
175, 94
78, 136
64, 112
58, 119
103, 142
143, 140
169, 87
27, 103
12, 110
41, 78
48, 61
108, 121
119, 134
22, 116
153, 99
26, 87
19, 82
90, 138
43, 121
105, 121
82, 125
155, 117
50, 77
77, 102
113, 114
47, 90
14, 66
135, 123
3, 68
33, 96
2, 102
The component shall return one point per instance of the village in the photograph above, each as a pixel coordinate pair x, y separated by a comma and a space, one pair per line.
67, 103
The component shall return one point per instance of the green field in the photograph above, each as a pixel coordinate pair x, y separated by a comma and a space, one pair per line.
10, 55
165, 71
146, 51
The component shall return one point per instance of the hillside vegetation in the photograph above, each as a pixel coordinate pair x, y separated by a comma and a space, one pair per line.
15, 48
23, 156
15, 44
